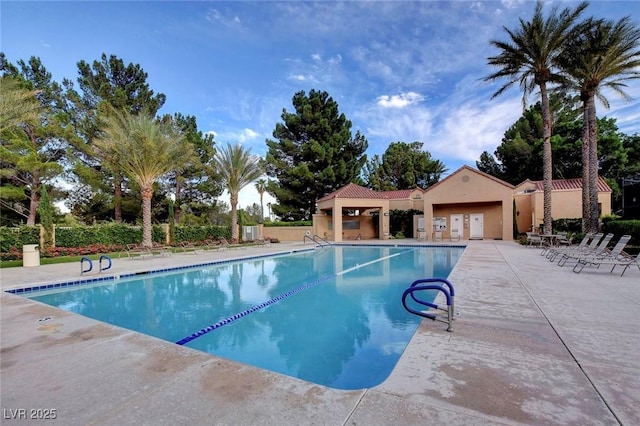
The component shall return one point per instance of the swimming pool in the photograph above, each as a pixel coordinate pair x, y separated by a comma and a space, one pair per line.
332, 316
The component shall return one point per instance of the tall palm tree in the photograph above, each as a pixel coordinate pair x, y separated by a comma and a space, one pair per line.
604, 54
145, 150
238, 168
530, 58
261, 187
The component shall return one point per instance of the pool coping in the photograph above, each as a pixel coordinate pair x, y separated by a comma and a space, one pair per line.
580, 368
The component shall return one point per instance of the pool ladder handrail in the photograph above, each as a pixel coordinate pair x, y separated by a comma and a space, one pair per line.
435, 312
90, 264
315, 239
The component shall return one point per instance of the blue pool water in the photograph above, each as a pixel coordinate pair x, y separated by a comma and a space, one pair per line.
332, 316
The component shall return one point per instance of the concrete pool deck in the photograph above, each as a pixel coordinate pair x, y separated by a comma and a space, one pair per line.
533, 344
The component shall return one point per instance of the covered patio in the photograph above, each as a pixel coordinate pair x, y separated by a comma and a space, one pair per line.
352, 212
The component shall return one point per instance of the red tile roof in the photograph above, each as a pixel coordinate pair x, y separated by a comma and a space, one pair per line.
570, 184
352, 190
399, 194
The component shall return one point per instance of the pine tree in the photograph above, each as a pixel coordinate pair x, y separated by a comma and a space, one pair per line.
314, 154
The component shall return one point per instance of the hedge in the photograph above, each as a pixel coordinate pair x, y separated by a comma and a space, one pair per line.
109, 234
623, 227
200, 233
18, 236
80, 240
296, 223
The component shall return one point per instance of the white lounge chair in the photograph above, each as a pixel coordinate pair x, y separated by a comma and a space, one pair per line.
599, 250
588, 243
615, 255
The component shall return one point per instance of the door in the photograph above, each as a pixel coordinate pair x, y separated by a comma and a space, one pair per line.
476, 228
455, 231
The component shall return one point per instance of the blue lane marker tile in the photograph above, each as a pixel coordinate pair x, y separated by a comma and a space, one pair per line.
255, 308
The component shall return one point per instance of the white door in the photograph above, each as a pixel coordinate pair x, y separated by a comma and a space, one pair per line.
476, 228
456, 224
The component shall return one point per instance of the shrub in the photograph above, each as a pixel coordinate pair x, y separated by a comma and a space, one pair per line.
623, 227
16, 237
200, 233
296, 223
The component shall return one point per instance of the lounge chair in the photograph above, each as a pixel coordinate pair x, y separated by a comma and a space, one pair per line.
188, 247
616, 254
161, 250
223, 244
136, 251
265, 241
563, 239
588, 243
454, 235
598, 251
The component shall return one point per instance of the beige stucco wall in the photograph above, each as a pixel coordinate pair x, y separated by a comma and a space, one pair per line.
469, 192
285, 233
492, 213
324, 227
565, 204
338, 204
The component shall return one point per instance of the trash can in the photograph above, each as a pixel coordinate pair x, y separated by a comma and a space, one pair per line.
30, 255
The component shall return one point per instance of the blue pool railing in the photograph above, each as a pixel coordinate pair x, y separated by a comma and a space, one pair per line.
434, 311
90, 264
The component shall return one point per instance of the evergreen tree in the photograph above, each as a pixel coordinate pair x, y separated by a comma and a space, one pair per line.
33, 151
123, 87
403, 166
198, 182
314, 154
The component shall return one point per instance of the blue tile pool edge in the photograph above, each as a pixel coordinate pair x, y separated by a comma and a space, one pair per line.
86, 281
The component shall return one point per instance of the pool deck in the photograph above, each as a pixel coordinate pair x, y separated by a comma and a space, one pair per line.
533, 344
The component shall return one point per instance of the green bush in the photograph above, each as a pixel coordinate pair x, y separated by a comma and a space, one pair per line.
296, 223
623, 227
573, 226
108, 234
200, 233
18, 236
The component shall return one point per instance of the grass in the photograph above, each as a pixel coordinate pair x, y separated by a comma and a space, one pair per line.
55, 260
70, 259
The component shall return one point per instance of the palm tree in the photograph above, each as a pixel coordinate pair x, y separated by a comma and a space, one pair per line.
145, 150
238, 168
604, 54
530, 58
261, 187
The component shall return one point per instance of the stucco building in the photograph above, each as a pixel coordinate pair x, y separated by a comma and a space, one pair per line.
467, 204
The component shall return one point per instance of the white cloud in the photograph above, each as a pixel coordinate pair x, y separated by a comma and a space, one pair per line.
298, 77
247, 135
217, 17
399, 101
474, 126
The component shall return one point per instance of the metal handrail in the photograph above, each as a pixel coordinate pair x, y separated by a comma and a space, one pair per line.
428, 284
107, 258
82, 260
320, 238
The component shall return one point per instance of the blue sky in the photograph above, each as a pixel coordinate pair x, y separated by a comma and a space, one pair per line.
399, 70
